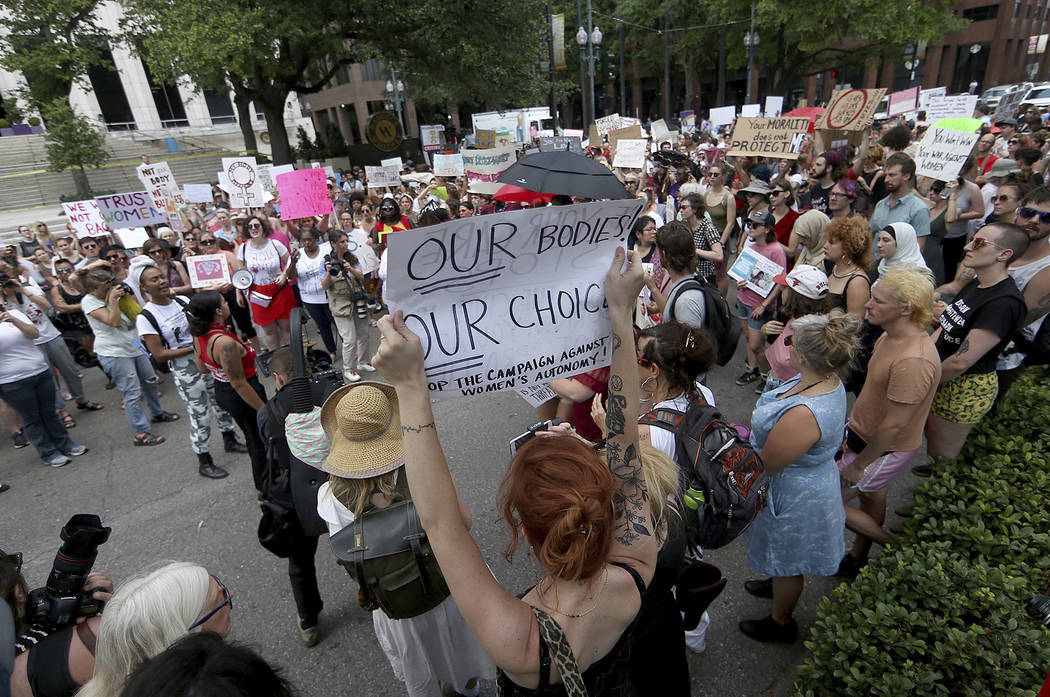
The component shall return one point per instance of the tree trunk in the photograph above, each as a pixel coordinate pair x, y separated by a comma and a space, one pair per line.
244, 118
80, 180
273, 109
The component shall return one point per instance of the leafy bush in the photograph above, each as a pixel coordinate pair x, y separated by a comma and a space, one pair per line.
33, 121
941, 611
4, 123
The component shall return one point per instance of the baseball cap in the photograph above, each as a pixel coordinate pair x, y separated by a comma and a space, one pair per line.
805, 280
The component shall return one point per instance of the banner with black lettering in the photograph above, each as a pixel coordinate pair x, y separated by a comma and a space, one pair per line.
509, 300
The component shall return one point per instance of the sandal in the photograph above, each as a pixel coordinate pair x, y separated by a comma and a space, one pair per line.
67, 421
148, 439
165, 417
89, 406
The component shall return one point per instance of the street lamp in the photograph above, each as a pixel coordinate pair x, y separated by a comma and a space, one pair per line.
591, 40
394, 89
751, 43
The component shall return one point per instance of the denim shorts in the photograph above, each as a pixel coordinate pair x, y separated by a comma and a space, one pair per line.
744, 312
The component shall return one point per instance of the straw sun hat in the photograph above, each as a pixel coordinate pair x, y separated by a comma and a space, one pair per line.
364, 427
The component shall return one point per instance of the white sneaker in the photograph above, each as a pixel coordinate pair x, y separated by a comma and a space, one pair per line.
351, 376
367, 367
77, 450
59, 460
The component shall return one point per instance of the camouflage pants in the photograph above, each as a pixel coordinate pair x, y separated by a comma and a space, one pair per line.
197, 390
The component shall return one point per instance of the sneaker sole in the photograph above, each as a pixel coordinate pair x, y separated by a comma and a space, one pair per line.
59, 463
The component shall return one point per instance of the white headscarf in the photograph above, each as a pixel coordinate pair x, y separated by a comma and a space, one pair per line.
908, 254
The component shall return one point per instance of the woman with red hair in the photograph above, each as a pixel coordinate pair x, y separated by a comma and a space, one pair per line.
588, 524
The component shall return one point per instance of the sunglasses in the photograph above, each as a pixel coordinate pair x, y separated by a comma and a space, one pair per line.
645, 362
1029, 212
207, 241
978, 242
154, 252
119, 257
63, 270
90, 245
227, 600
255, 226
1013, 140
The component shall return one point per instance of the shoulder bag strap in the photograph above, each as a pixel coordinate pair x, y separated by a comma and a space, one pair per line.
153, 323
554, 636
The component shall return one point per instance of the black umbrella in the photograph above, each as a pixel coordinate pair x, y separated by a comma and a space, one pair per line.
564, 172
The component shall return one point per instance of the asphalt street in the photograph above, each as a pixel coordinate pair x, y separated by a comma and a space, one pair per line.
160, 509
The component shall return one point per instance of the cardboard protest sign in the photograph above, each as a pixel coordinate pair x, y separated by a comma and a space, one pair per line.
632, 132
594, 137
132, 237
161, 187
512, 299
774, 106
722, 115
86, 218
903, 101
133, 209
383, 176
959, 106
757, 270
630, 153
484, 138
304, 193
851, 110
749, 110
245, 190
206, 269
483, 167
1007, 107
448, 165
392, 162
605, 124
942, 153
197, 193
780, 137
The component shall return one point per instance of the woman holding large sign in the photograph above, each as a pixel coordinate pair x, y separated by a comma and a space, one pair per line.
588, 524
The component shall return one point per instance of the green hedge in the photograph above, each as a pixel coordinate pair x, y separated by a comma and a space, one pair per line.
942, 610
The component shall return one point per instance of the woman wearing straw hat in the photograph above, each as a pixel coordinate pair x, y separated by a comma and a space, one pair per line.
435, 649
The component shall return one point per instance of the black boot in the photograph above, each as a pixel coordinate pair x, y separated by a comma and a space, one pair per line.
208, 468
696, 588
230, 443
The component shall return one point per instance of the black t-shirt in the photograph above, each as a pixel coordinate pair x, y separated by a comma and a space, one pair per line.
816, 197
999, 309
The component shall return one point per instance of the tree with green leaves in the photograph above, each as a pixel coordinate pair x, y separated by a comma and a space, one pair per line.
72, 142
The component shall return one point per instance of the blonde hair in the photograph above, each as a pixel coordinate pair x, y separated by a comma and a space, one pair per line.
661, 478
354, 493
146, 615
911, 288
92, 278
876, 154
826, 342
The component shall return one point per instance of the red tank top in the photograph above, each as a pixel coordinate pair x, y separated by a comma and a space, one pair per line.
247, 360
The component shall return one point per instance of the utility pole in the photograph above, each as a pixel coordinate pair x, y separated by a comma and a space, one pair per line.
623, 77
550, 46
590, 61
667, 68
583, 88
751, 46
720, 98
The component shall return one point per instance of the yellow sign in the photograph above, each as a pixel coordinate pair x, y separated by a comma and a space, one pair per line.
484, 138
384, 131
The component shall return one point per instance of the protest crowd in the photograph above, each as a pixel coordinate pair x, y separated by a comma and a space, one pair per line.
839, 268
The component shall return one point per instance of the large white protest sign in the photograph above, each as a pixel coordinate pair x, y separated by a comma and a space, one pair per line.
953, 107
160, 185
483, 168
629, 153
133, 209
509, 300
722, 115
448, 165
604, 124
280, 169
245, 186
133, 237
383, 176
658, 130
392, 162
751, 110
265, 171
85, 218
942, 153
774, 105
926, 95
197, 193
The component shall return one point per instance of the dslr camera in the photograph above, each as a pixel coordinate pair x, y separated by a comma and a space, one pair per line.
64, 598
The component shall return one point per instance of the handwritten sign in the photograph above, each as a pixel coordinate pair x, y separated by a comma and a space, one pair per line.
197, 193
206, 269
483, 167
304, 193
959, 106
485, 138
903, 101
86, 218
774, 106
553, 143
942, 153
770, 137
448, 165
850, 110
383, 176
160, 185
607, 123
630, 153
509, 300
129, 210
722, 115
629, 132
536, 395
265, 171
1008, 104
245, 187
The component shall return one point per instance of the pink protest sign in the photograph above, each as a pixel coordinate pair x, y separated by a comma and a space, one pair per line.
304, 193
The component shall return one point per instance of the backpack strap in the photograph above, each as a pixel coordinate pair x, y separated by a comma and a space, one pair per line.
662, 417
691, 284
552, 636
153, 323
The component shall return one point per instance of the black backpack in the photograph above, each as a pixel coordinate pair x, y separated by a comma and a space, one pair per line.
717, 318
725, 474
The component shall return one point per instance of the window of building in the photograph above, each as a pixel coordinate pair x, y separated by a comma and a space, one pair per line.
984, 13
220, 107
342, 75
109, 90
373, 70
1017, 8
1028, 12
167, 100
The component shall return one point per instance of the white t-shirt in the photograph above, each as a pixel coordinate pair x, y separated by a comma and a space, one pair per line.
265, 263
661, 438
35, 314
19, 356
116, 342
310, 272
174, 327
357, 244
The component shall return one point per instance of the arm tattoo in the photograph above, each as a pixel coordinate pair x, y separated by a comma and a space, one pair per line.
614, 417
416, 429
963, 347
616, 341
630, 499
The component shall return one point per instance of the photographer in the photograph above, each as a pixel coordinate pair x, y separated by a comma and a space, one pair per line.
343, 280
55, 663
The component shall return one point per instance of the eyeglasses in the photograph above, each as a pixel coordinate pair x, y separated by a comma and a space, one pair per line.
255, 226
1027, 212
838, 193
227, 600
978, 242
997, 199
88, 245
207, 241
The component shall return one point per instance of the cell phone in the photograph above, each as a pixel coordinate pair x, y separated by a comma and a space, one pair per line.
524, 438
